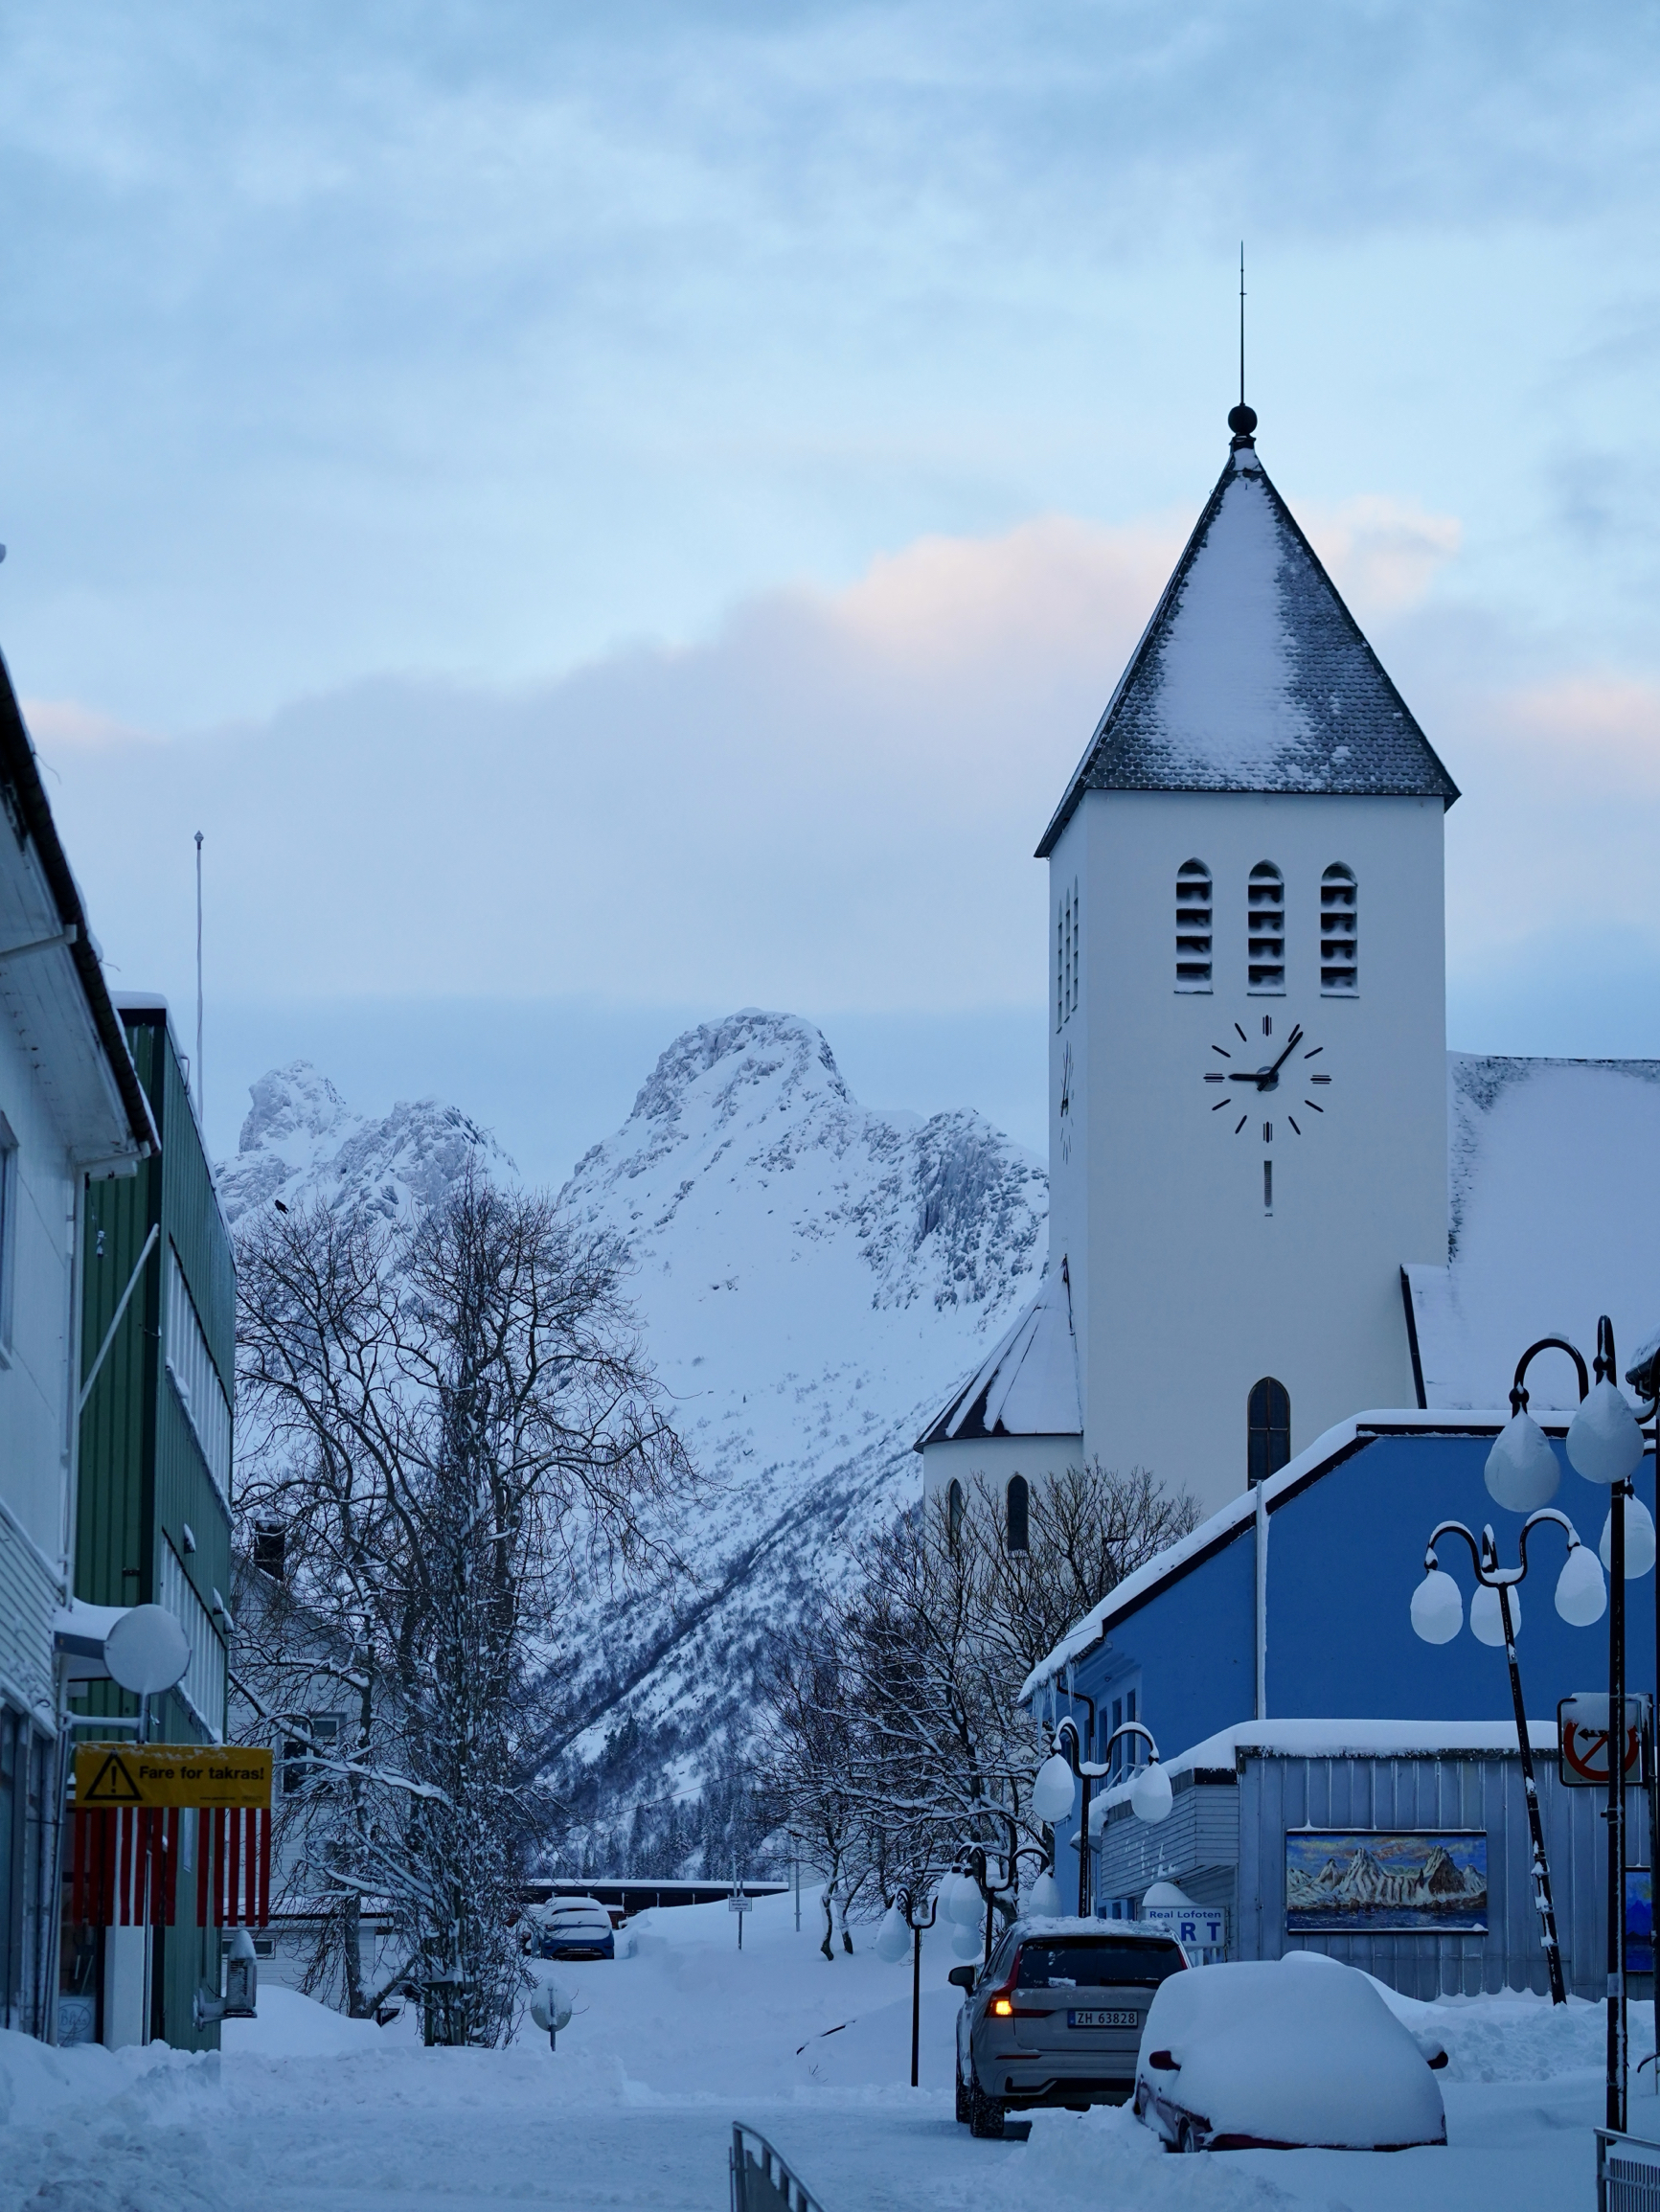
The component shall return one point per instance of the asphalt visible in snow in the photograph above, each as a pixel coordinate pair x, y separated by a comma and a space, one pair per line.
305, 2113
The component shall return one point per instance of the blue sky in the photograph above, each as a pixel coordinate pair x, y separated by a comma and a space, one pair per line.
605, 516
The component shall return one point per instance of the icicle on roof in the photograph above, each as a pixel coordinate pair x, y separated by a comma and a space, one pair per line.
1252, 675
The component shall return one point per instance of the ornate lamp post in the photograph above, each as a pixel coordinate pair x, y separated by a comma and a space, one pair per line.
1438, 1615
1055, 1792
903, 1915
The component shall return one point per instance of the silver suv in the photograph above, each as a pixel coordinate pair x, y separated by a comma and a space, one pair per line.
1056, 2018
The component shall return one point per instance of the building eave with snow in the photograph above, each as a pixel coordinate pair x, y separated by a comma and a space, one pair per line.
1017, 1414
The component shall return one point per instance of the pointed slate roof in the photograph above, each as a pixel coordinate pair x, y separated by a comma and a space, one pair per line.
1252, 675
1027, 1386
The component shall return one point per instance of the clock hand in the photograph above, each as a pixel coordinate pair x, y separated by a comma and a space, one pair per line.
1291, 1043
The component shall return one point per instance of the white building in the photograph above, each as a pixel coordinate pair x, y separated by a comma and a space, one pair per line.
70, 1108
1248, 1134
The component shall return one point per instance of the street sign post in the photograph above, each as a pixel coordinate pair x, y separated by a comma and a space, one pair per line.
1583, 1740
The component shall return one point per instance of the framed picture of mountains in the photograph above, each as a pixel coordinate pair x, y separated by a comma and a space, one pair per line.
1341, 1881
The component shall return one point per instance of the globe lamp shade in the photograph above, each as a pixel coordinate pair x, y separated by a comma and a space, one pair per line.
967, 1943
1150, 1797
1522, 1470
1043, 1902
965, 1904
1639, 1540
1055, 1793
1604, 1441
1436, 1607
1581, 1594
1486, 1620
893, 1937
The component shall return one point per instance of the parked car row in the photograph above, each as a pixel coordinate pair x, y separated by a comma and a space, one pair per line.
1298, 2053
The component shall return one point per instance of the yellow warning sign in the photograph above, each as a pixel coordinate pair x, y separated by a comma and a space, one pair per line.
172, 1774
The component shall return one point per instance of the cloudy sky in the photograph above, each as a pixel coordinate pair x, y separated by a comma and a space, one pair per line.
602, 516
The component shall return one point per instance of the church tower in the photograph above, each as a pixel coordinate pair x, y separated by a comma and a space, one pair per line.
1247, 1015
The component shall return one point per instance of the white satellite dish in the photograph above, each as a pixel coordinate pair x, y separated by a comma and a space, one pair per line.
147, 1651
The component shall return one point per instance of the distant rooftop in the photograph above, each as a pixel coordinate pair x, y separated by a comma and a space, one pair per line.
1252, 675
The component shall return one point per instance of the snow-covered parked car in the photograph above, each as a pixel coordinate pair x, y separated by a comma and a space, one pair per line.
1298, 2053
1056, 2018
571, 1928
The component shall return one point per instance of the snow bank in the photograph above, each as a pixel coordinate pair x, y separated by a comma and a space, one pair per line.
293, 2027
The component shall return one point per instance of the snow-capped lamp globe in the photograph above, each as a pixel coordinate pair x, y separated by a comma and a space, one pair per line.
1150, 1797
1639, 1538
1522, 1471
1043, 1901
1581, 1594
964, 1902
893, 1937
1604, 1443
968, 1943
1055, 1792
1436, 1607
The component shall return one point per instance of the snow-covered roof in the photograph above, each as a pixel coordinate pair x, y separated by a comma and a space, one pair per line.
1253, 676
1340, 1740
1325, 1453
1027, 1386
1555, 1219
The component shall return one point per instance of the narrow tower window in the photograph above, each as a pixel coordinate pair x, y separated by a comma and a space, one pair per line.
1267, 1430
1019, 1502
1339, 941
1193, 927
954, 1509
1265, 927
1066, 957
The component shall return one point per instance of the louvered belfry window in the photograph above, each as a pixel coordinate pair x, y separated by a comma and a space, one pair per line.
1339, 939
1193, 927
1067, 951
1265, 927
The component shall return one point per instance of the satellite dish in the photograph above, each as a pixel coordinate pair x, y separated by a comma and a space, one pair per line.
147, 1651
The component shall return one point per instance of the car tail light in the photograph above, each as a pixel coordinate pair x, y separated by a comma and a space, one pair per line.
1001, 2003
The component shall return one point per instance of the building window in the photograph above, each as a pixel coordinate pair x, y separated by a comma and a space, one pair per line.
203, 1688
1016, 1511
1066, 958
1193, 927
194, 1377
1265, 929
1268, 1430
1339, 942
271, 1549
954, 1509
302, 1771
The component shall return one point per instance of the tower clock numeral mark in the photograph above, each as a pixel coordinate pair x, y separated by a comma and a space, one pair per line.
1226, 1055
1221, 1102
1267, 1025
1240, 1123
1244, 1039
1267, 1132
1295, 1131
1316, 1054
1319, 1078
1308, 1101
1216, 1078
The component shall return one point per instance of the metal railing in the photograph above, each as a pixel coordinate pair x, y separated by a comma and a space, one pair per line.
1627, 2173
761, 2181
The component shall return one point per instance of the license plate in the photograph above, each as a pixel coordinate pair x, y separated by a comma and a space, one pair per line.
1104, 2019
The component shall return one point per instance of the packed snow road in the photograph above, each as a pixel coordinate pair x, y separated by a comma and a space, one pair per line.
306, 2112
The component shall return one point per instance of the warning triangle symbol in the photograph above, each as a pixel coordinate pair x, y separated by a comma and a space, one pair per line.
113, 1784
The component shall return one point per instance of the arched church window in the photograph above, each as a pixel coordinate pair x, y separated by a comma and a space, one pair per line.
1017, 1512
1193, 927
1267, 1430
1339, 939
954, 1509
1266, 930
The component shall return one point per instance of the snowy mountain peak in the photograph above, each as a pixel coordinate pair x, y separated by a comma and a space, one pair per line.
301, 1141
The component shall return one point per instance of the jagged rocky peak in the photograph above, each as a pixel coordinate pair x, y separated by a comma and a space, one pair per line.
302, 1142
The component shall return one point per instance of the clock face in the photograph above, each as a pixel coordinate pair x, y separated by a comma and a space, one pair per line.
1274, 1081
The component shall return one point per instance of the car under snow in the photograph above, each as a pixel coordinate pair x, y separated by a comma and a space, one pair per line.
1299, 2053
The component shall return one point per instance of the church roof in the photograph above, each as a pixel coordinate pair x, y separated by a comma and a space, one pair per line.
1027, 1386
1252, 675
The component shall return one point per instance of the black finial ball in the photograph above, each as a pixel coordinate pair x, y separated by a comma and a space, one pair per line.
1243, 420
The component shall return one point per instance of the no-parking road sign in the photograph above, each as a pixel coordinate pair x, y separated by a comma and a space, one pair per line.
1583, 1740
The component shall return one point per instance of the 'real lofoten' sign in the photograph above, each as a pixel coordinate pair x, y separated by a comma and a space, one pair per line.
182, 1775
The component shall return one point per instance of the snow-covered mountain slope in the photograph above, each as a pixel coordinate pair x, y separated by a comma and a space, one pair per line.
810, 1278
301, 1141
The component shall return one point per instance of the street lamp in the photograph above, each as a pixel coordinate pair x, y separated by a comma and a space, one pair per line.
1055, 1792
900, 1915
1605, 1445
1438, 1615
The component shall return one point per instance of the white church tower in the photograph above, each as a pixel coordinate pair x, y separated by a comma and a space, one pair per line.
1247, 1068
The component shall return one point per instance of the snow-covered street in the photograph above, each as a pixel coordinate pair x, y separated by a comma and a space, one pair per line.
308, 2113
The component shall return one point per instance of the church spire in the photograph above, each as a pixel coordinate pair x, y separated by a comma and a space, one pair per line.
1243, 420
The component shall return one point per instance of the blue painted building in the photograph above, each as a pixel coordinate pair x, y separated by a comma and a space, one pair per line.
1292, 1604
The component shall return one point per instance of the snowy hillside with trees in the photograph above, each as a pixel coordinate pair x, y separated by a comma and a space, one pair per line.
810, 1279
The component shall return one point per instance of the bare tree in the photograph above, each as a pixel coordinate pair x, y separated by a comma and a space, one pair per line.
895, 1724
449, 1425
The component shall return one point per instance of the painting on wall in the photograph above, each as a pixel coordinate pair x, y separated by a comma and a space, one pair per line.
1344, 1883
1639, 1921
